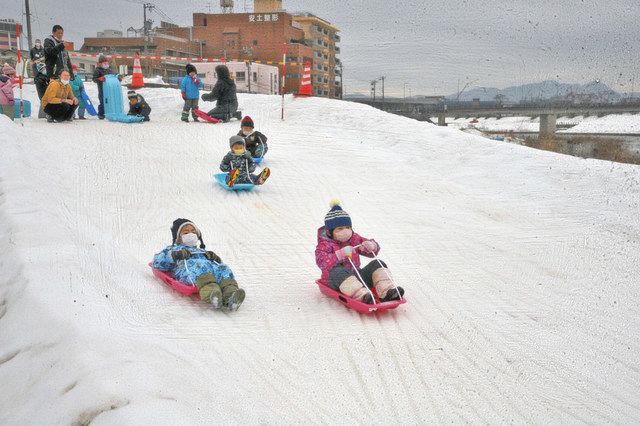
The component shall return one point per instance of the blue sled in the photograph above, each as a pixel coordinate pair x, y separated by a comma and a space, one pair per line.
124, 118
258, 160
88, 105
221, 178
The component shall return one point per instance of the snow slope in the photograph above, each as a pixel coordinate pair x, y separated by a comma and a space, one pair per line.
521, 269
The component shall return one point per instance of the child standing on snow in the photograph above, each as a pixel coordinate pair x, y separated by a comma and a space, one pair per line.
190, 90
7, 101
99, 74
191, 264
255, 141
240, 166
77, 86
138, 106
336, 245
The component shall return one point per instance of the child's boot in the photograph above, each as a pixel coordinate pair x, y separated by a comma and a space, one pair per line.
381, 282
209, 290
185, 116
384, 286
356, 290
194, 116
232, 296
263, 176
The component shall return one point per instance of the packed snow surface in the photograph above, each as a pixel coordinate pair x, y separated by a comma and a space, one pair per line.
521, 269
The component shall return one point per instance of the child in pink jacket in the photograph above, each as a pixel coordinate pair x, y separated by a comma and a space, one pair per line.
6, 91
336, 245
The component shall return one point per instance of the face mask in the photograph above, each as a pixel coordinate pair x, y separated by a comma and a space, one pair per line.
343, 235
65, 82
105, 66
246, 133
238, 151
37, 45
190, 240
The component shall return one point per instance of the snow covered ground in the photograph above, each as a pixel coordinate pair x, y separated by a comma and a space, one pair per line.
618, 123
521, 269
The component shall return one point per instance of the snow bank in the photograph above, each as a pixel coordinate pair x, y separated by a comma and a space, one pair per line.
520, 268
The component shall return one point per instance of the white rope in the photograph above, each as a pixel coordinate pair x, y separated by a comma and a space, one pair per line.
373, 297
386, 271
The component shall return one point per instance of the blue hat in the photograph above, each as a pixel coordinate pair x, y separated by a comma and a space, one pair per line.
336, 217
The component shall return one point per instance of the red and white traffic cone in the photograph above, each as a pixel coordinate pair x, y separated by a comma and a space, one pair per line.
137, 81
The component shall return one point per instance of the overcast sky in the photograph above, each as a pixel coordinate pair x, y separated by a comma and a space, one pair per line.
434, 46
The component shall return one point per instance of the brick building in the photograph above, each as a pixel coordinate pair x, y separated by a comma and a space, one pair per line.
8, 39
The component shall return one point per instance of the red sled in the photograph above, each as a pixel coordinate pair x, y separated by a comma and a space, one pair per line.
180, 287
206, 117
356, 305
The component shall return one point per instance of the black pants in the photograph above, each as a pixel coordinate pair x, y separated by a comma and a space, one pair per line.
340, 273
60, 112
41, 82
224, 112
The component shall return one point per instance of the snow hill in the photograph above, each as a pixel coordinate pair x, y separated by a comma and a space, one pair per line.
521, 269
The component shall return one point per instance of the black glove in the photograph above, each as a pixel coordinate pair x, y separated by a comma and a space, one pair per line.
212, 256
183, 254
205, 97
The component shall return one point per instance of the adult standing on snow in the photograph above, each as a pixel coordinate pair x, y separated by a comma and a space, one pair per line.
56, 59
224, 92
58, 101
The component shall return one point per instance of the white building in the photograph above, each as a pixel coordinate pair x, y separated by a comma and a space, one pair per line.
249, 77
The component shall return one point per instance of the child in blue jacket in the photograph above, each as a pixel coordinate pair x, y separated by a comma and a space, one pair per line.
189, 88
193, 265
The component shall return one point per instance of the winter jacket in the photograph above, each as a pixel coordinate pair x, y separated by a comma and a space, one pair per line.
187, 271
141, 108
224, 91
55, 92
77, 86
97, 73
326, 249
253, 140
189, 87
55, 58
6, 90
38, 61
244, 163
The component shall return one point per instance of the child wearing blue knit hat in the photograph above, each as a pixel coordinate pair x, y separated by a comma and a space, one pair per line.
338, 253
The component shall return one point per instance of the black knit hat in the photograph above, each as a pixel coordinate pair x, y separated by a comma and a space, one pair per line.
191, 68
177, 226
132, 94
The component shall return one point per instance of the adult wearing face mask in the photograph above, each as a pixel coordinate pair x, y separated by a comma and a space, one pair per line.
58, 101
38, 68
55, 57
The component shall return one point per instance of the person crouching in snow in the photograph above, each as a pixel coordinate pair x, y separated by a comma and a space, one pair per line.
193, 265
336, 245
239, 165
138, 106
255, 141
190, 91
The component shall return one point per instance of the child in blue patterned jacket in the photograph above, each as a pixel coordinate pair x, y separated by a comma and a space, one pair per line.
193, 265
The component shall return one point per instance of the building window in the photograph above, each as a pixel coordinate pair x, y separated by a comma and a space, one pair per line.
255, 77
231, 43
240, 76
319, 66
204, 22
255, 42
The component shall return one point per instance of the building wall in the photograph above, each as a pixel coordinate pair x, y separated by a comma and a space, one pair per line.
8, 40
263, 6
322, 37
260, 78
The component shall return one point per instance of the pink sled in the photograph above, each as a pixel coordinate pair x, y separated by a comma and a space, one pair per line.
180, 287
356, 305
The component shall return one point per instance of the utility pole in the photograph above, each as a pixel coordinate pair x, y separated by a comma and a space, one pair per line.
146, 25
249, 74
382, 78
28, 15
373, 89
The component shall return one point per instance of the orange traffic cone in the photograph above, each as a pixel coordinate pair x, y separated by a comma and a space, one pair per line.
137, 81
305, 84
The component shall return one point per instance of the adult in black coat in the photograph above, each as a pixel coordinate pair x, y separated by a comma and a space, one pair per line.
224, 92
55, 57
